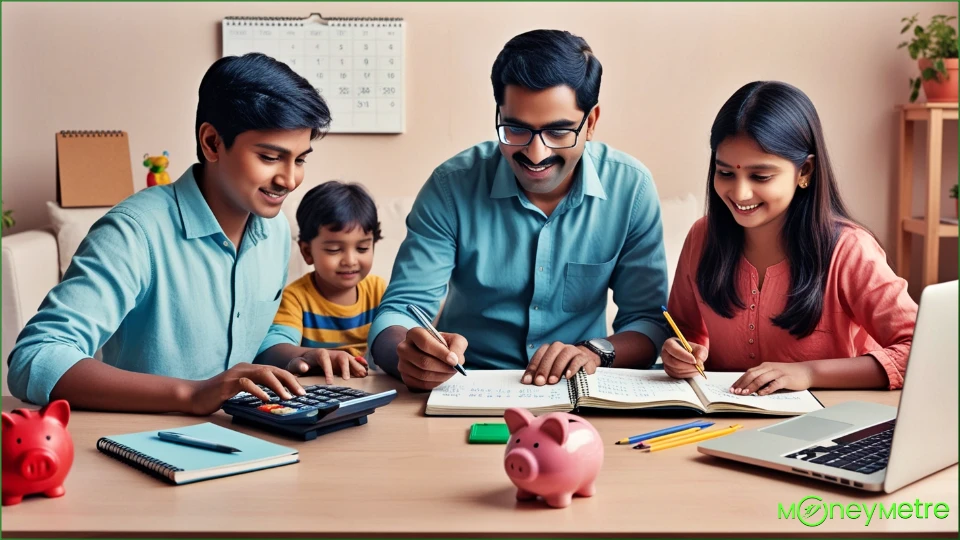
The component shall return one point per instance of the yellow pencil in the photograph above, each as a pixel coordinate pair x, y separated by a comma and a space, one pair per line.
683, 340
703, 436
680, 434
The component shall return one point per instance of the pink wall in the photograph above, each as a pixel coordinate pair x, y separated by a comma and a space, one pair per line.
667, 70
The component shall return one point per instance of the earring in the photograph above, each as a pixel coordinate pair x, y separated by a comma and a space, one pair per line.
804, 184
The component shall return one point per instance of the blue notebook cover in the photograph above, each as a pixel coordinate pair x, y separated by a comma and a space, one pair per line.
179, 464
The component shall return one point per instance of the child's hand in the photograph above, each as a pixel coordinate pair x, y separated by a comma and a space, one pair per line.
680, 364
330, 363
769, 377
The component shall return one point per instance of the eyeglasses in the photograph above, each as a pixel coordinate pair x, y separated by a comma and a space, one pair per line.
551, 137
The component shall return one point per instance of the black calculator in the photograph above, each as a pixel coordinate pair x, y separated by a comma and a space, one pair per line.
321, 410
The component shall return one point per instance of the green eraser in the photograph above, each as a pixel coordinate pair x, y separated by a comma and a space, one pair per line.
489, 434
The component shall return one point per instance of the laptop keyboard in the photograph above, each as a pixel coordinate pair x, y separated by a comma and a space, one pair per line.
865, 451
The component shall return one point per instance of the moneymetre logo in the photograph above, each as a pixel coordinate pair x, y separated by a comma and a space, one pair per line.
812, 511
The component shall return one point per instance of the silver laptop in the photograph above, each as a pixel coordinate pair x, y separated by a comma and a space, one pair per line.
867, 445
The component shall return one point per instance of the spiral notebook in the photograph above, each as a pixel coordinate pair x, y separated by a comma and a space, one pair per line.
180, 464
356, 63
93, 168
490, 393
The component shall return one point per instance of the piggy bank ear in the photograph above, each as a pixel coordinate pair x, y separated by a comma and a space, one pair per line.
556, 428
517, 419
59, 410
7, 421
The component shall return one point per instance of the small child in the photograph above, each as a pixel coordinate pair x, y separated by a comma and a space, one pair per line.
324, 316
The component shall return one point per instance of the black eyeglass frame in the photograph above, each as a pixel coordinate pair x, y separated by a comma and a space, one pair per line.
539, 132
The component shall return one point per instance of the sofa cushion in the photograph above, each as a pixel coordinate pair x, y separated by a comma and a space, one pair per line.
70, 226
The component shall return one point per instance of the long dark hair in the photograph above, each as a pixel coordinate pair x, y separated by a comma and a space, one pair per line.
783, 121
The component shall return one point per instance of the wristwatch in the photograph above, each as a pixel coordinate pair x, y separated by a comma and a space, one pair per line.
602, 348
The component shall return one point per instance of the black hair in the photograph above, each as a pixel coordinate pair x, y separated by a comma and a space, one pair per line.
784, 122
542, 59
338, 206
256, 92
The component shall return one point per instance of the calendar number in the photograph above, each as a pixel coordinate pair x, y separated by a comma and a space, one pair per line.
363, 104
344, 90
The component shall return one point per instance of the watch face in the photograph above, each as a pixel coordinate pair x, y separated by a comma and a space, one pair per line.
603, 345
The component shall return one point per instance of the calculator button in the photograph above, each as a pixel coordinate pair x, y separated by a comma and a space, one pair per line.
268, 407
291, 404
283, 411
312, 388
312, 402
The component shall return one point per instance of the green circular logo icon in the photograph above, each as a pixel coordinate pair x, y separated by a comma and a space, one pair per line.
808, 510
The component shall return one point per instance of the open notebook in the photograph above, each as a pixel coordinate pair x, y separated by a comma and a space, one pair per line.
180, 464
489, 393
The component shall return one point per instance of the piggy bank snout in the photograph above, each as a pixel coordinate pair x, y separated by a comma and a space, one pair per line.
39, 464
521, 464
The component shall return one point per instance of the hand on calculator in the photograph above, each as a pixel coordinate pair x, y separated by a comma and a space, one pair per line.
330, 363
206, 397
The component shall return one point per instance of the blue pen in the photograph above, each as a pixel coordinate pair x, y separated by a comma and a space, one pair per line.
665, 431
424, 321
177, 438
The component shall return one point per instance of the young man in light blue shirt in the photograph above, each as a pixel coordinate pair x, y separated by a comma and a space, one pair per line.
524, 236
179, 283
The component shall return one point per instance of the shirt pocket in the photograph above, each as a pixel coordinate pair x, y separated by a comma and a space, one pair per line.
585, 285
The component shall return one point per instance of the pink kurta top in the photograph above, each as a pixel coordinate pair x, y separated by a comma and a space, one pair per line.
866, 310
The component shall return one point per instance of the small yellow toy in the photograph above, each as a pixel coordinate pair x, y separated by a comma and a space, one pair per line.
158, 169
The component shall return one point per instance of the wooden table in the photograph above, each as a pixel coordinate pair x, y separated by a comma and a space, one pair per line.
404, 474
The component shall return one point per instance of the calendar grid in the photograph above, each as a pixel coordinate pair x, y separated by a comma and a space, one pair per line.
355, 63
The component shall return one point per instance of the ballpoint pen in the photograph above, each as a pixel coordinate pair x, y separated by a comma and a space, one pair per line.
683, 340
425, 323
178, 438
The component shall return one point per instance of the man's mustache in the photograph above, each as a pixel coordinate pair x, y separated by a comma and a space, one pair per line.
523, 160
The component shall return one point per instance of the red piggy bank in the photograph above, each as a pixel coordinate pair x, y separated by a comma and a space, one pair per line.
37, 451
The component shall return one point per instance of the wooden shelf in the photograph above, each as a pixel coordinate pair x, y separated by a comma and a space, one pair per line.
919, 226
933, 115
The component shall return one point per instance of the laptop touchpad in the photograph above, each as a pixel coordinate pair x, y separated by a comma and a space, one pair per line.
808, 428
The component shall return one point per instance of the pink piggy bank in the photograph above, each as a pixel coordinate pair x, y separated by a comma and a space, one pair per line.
555, 456
37, 451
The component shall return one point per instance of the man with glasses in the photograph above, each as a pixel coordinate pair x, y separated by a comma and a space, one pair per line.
525, 235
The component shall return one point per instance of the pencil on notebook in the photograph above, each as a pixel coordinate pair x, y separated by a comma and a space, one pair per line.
702, 436
683, 340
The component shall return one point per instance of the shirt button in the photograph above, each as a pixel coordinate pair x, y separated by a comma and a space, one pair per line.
226, 243
238, 314
752, 355
536, 308
754, 291
750, 340
753, 306
531, 345
541, 269
751, 327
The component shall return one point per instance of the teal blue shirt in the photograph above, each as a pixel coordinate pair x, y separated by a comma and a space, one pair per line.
515, 279
157, 284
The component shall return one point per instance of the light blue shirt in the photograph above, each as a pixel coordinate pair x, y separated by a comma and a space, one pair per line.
515, 279
157, 284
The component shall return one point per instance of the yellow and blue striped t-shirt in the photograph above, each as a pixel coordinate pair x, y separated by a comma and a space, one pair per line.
313, 321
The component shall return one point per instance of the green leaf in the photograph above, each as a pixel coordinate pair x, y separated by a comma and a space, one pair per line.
907, 27
938, 65
928, 74
918, 31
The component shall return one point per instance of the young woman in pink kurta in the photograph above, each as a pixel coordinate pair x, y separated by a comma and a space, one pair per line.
777, 280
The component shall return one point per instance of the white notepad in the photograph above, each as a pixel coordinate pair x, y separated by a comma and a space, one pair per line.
490, 393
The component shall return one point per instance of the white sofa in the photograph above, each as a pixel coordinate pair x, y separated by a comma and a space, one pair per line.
33, 261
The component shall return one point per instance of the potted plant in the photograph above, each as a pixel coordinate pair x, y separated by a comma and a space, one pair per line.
8, 220
935, 49
956, 201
